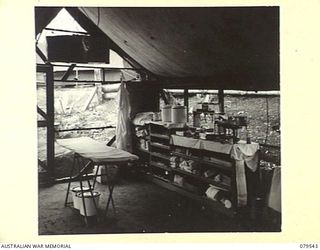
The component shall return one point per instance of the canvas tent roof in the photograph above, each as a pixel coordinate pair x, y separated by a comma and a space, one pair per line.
218, 47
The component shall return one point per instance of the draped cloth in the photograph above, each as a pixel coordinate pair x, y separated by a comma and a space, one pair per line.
274, 199
96, 151
244, 154
123, 130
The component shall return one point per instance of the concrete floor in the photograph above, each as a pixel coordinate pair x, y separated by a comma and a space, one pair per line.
141, 207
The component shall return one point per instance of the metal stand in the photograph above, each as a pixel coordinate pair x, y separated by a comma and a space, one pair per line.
111, 185
83, 175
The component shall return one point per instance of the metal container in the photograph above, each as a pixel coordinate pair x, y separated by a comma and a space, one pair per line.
76, 200
166, 113
178, 114
89, 199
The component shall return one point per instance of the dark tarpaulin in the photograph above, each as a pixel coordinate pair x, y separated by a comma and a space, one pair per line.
212, 47
227, 47
43, 16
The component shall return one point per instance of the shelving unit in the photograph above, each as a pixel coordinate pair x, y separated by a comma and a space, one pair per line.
143, 153
155, 164
159, 145
160, 136
159, 152
194, 185
223, 165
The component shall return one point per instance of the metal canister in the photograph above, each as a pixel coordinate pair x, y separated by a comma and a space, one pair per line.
166, 113
178, 114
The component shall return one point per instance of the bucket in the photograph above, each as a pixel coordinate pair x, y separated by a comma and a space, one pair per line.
76, 200
178, 114
166, 113
102, 171
89, 203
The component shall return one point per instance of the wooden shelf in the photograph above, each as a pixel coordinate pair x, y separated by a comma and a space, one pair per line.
204, 179
159, 145
199, 111
160, 178
160, 150
190, 157
143, 150
224, 165
164, 157
217, 206
155, 164
218, 163
160, 136
145, 137
226, 124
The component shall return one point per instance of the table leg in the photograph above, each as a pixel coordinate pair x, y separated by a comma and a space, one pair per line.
111, 185
95, 176
84, 204
69, 184
110, 199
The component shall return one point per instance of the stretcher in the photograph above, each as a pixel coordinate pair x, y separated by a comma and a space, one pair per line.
87, 154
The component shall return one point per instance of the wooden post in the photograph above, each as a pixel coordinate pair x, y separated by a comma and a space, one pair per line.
41, 55
49, 116
221, 100
103, 75
50, 119
99, 76
68, 72
186, 101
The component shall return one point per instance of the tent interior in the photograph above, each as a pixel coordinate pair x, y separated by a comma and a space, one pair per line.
186, 108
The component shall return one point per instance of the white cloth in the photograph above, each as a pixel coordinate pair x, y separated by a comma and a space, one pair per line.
241, 152
274, 199
143, 118
123, 130
244, 153
169, 125
212, 192
201, 144
95, 150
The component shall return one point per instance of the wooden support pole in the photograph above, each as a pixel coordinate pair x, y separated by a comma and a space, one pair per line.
41, 112
68, 72
103, 75
50, 119
221, 101
42, 123
89, 100
79, 129
186, 101
113, 139
40, 53
68, 31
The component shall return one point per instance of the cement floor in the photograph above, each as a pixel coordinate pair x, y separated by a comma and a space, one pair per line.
141, 207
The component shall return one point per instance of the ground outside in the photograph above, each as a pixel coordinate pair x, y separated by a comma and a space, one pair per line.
141, 207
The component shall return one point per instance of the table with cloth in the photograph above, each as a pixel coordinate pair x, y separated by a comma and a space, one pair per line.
94, 153
244, 155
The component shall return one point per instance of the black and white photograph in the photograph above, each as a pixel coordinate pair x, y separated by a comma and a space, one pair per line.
158, 119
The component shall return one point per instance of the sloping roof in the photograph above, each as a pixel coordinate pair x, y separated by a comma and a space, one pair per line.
220, 47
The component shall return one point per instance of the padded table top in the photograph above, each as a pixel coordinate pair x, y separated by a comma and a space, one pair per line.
95, 150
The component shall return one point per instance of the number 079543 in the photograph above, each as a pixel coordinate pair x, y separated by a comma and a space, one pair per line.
308, 246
